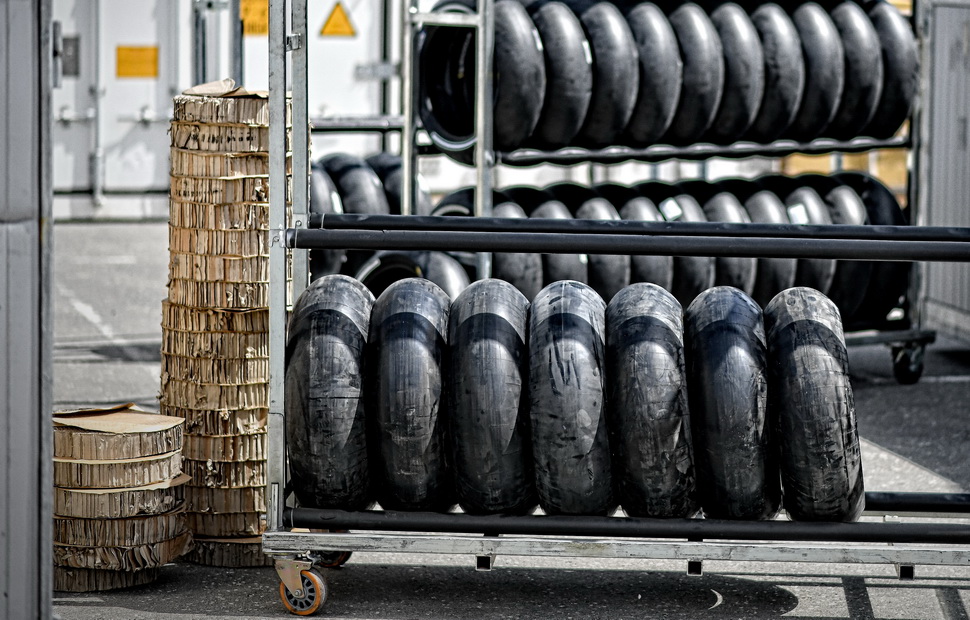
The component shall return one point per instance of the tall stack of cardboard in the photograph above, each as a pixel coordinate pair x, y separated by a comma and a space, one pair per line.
215, 339
119, 514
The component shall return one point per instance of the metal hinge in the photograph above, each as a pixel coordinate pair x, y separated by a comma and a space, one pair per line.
294, 42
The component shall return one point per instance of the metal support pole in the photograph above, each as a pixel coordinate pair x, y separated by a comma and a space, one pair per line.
200, 23
409, 77
300, 137
275, 458
484, 155
237, 58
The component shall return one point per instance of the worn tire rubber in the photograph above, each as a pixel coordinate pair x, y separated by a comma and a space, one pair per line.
784, 73
408, 434
889, 281
811, 397
569, 74
851, 279
540, 204
522, 270
647, 413
567, 390
734, 452
616, 73
607, 273
389, 266
824, 72
863, 71
388, 169
900, 60
702, 85
488, 394
326, 401
773, 275
632, 206
324, 199
692, 274
744, 74
661, 72
738, 272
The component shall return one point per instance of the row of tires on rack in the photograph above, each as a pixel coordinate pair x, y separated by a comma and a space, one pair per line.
497, 404
865, 292
594, 74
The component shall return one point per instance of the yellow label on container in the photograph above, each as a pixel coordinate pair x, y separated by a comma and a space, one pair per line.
136, 61
255, 17
338, 24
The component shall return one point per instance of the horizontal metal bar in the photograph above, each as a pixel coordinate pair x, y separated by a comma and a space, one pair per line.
627, 527
290, 544
354, 221
663, 152
584, 243
378, 123
909, 336
465, 20
951, 503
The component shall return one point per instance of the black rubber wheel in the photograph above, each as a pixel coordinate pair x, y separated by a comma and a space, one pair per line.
616, 73
489, 406
784, 73
607, 273
889, 281
326, 410
388, 266
734, 452
446, 58
567, 390
738, 272
908, 363
744, 74
408, 435
863, 72
851, 279
661, 74
631, 205
388, 169
703, 82
692, 274
521, 270
772, 275
360, 192
900, 61
569, 74
540, 204
324, 199
805, 206
647, 412
811, 397
824, 72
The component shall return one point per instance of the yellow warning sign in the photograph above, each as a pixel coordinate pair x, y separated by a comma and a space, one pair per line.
255, 17
136, 61
338, 24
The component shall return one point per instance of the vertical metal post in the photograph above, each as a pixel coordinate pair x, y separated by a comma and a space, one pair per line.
236, 48
97, 94
409, 78
484, 155
276, 447
300, 138
199, 36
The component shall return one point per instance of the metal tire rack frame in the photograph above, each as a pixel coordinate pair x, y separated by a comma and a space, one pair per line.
904, 545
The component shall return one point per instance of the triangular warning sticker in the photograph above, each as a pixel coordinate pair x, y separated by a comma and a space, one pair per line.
338, 24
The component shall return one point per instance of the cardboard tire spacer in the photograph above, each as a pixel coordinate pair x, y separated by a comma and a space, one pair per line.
209, 370
225, 525
219, 501
226, 475
212, 269
205, 320
225, 448
116, 473
220, 137
214, 396
221, 345
123, 558
229, 552
122, 434
120, 532
218, 422
223, 103
251, 189
96, 580
219, 216
148, 500
243, 242
223, 295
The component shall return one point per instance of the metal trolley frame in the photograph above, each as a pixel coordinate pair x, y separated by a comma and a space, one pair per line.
693, 540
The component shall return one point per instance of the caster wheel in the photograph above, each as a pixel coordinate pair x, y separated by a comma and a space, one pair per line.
908, 364
333, 559
311, 597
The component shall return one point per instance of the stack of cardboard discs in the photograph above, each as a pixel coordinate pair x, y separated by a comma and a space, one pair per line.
119, 513
215, 322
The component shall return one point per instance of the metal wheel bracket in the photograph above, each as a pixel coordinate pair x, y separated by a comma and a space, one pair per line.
289, 572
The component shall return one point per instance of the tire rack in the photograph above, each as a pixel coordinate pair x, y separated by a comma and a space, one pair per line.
694, 540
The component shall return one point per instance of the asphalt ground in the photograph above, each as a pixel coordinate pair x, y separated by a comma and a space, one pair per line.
109, 281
